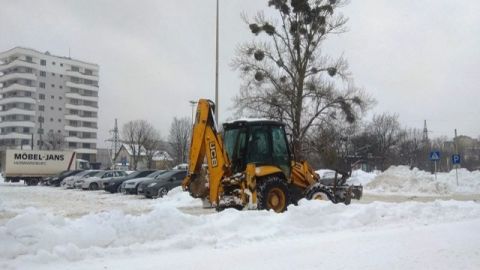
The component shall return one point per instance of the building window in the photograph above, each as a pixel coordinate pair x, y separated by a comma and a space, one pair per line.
86, 145
51, 119
61, 64
59, 120
74, 68
42, 85
51, 108
60, 98
25, 142
43, 62
53, 85
41, 96
28, 59
26, 130
72, 134
60, 109
72, 144
53, 74
53, 63
88, 72
43, 73
61, 87
41, 108
52, 97
61, 76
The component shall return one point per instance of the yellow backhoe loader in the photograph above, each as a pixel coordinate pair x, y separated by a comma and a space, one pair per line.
252, 167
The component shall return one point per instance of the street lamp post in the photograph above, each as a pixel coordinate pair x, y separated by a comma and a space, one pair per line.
192, 103
216, 70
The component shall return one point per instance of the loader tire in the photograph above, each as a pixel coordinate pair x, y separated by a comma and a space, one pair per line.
272, 193
319, 193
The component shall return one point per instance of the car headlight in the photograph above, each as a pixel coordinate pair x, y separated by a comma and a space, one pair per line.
152, 184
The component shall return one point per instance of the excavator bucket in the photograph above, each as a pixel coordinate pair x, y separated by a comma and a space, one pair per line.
198, 186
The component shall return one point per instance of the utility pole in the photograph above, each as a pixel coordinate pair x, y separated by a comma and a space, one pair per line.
216, 70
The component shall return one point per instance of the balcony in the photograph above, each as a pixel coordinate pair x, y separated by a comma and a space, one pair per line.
17, 86
82, 86
16, 123
18, 63
81, 140
13, 111
80, 129
81, 75
18, 75
80, 118
7, 100
78, 96
81, 107
15, 135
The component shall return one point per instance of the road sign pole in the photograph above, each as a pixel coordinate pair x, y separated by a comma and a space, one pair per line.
456, 173
435, 170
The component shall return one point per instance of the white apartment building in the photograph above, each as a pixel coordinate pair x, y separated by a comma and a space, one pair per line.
49, 98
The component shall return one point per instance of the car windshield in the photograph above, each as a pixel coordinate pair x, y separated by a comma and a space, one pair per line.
92, 173
155, 174
133, 175
99, 174
166, 174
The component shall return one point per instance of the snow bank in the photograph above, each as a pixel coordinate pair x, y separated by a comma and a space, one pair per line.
361, 177
402, 180
40, 236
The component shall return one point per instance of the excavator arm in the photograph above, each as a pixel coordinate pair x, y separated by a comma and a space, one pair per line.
206, 143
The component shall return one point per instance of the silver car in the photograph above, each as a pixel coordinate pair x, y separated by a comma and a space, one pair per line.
69, 182
96, 182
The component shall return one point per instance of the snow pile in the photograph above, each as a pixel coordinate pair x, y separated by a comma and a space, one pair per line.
362, 177
40, 236
400, 179
1, 178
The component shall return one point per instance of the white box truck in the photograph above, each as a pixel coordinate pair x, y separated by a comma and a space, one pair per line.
33, 165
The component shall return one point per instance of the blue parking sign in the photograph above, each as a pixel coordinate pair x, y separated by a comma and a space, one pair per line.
435, 155
456, 159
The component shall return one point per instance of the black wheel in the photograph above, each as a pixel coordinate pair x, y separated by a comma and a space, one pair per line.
319, 192
119, 189
162, 192
272, 193
93, 186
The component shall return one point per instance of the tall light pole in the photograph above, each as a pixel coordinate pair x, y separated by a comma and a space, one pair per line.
192, 103
216, 69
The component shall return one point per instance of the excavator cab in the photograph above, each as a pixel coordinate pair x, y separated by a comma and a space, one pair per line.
261, 142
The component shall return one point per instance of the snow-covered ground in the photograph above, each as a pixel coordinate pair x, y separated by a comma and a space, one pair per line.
53, 228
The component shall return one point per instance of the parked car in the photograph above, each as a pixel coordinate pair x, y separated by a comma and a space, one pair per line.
115, 184
69, 182
159, 186
96, 182
56, 180
130, 186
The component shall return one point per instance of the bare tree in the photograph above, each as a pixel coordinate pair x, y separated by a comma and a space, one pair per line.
386, 131
179, 138
136, 134
53, 141
152, 146
285, 74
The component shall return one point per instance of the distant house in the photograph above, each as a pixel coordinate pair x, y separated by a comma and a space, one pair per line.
124, 158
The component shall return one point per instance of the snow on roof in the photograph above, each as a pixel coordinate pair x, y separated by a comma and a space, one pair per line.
157, 156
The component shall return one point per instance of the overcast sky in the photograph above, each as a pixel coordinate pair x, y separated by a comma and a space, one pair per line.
419, 59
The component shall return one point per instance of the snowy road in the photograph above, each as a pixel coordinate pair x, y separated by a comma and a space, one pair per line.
51, 228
